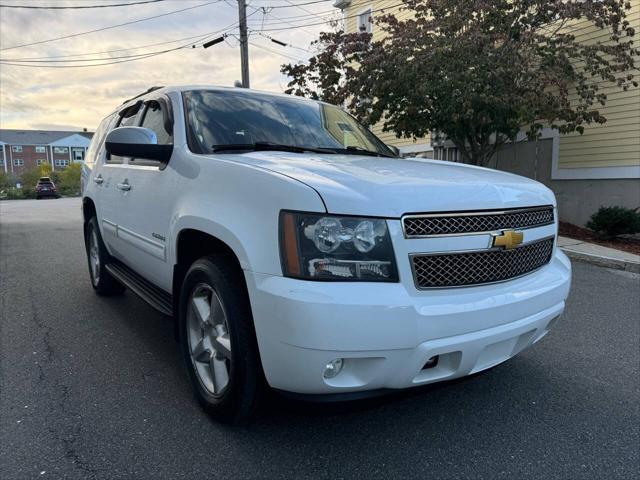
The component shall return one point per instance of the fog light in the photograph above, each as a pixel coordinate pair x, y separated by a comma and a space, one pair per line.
333, 368
431, 363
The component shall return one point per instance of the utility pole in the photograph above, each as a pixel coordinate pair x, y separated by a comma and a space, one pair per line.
244, 42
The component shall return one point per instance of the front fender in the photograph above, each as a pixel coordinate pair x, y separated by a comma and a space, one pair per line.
208, 226
239, 205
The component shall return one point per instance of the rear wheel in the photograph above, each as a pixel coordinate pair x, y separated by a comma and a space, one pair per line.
217, 339
98, 257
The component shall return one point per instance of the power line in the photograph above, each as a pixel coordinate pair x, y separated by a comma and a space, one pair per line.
93, 65
114, 60
88, 59
264, 10
198, 38
109, 27
298, 17
290, 57
30, 62
321, 14
281, 43
304, 9
78, 7
301, 4
322, 23
122, 59
26, 59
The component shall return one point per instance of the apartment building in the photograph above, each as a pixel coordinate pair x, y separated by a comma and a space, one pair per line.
600, 167
22, 150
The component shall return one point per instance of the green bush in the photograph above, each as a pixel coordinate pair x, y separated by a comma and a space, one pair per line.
5, 181
12, 193
610, 222
29, 180
68, 182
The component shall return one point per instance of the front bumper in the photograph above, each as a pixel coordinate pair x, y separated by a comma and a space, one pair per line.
387, 332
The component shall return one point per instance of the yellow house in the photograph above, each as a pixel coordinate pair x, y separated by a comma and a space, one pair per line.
600, 167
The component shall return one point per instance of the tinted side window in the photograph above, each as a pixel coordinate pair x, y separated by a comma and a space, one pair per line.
127, 118
153, 119
95, 147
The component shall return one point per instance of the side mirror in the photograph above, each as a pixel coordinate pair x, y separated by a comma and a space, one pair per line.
137, 142
395, 150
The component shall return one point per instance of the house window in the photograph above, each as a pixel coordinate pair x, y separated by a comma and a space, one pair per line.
365, 22
78, 154
61, 162
16, 148
60, 150
18, 162
41, 161
41, 149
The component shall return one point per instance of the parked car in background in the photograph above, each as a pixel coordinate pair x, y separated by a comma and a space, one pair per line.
295, 250
46, 188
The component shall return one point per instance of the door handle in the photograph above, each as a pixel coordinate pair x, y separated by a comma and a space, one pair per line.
124, 186
98, 179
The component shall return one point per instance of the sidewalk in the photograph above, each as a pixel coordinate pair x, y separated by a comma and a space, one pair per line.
603, 256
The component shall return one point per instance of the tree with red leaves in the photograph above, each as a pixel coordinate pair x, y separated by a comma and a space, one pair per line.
476, 71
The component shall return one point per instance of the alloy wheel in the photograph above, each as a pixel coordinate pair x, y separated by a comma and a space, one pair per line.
208, 337
94, 257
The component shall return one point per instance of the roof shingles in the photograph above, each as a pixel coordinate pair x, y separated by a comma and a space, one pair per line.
36, 137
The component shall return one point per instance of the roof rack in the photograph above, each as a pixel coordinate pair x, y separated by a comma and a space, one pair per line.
143, 93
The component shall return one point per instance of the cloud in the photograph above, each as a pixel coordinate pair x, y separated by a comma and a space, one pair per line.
81, 97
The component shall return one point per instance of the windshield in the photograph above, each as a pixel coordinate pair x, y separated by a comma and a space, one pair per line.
236, 120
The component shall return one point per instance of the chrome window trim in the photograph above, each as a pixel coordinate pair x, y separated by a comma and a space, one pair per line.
477, 213
477, 250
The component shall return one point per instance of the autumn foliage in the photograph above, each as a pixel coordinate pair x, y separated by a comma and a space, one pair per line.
477, 71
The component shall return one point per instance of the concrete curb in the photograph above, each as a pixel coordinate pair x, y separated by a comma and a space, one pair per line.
603, 261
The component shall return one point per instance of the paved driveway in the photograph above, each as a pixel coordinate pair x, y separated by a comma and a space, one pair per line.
93, 387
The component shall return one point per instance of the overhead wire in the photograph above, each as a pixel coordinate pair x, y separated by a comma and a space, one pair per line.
301, 4
275, 52
131, 22
122, 59
303, 9
78, 7
264, 14
390, 7
114, 50
36, 61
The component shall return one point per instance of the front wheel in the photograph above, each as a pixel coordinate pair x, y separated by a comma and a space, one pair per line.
98, 257
217, 339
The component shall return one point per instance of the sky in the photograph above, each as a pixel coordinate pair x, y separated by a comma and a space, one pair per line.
40, 97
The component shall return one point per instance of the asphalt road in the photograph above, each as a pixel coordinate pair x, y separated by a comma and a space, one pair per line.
93, 387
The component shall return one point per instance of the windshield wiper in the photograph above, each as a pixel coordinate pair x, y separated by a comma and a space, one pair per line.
352, 150
267, 147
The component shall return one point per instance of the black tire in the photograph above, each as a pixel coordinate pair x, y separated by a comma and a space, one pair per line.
239, 399
103, 283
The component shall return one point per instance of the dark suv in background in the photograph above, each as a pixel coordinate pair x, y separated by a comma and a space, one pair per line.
46, 188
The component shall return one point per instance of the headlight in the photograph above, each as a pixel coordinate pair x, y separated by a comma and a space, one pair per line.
327, 247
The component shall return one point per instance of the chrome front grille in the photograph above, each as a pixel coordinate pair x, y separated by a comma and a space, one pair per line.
416, 226
459, 269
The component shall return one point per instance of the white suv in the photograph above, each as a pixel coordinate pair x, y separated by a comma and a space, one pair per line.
294, 249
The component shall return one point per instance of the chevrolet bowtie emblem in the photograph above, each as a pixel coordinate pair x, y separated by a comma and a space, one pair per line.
508, 239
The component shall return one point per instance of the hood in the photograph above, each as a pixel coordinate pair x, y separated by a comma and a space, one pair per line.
392, 187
